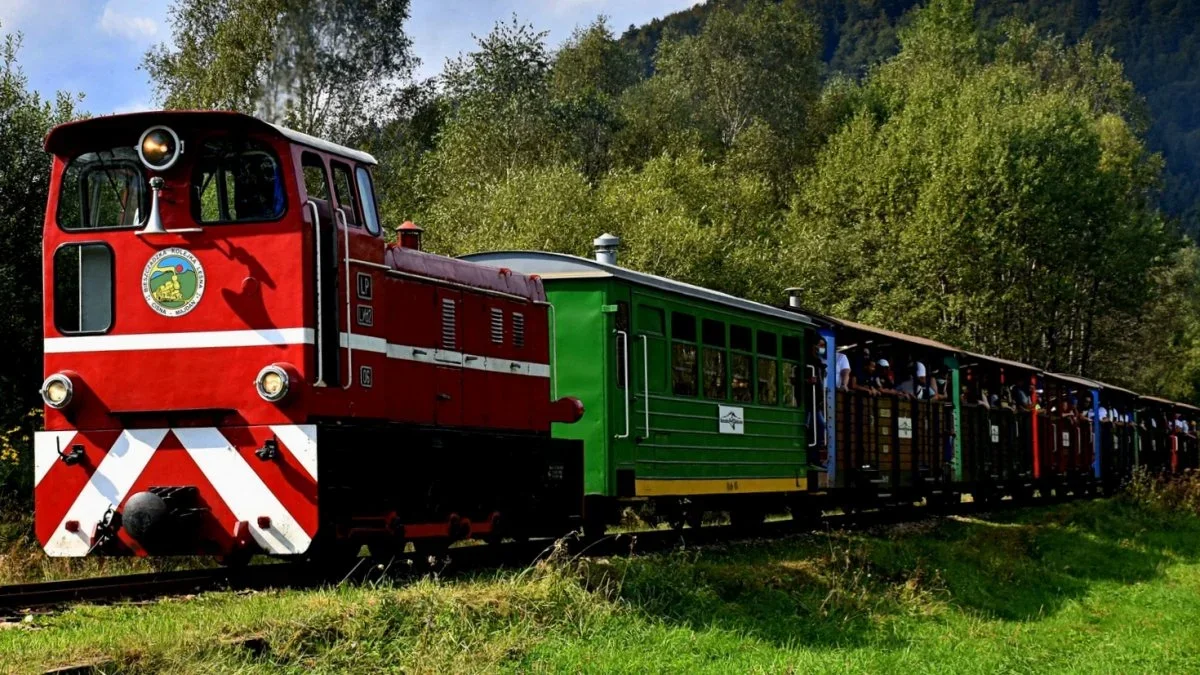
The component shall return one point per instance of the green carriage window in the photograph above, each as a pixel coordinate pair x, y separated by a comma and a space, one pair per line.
741, 365
683, 367
768, 389
740, 338
791, 384
683, 327
683, 354
650, 320
712, 334
768, 345
791, 348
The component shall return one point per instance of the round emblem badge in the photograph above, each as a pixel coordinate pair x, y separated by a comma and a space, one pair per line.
173, 282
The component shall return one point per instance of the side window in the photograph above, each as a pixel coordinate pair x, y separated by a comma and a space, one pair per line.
366, 194
651, 326
712, 334
741, 363
683, 354
343, 187
792, 375
768, 369
83, 288
650, 320
316, 182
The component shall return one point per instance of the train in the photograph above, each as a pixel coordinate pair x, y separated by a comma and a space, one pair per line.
240, 360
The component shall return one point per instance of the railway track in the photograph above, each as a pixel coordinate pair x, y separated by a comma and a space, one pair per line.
18, 599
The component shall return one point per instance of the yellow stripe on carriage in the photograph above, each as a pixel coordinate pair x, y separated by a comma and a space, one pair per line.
647, 487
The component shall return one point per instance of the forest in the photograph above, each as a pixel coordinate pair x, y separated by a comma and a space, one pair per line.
1004, 182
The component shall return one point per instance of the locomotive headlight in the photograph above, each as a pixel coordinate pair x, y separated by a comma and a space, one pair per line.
57, 391
159, 148
272, 383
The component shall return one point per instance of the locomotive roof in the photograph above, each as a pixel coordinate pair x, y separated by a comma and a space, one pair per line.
563, 266
64, 138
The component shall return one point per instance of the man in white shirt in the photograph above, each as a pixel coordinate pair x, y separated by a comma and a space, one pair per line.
842, 368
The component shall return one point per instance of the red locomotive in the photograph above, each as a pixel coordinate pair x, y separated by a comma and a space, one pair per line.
237, 361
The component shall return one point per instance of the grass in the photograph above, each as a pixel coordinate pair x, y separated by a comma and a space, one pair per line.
22, 559
1104, 586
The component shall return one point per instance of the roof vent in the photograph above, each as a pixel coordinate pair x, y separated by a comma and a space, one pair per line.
794, 294
606, 248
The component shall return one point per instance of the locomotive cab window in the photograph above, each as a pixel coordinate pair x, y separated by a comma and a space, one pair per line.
316, 181
83, 288
343, 189
236, 181
366, 197
103, 189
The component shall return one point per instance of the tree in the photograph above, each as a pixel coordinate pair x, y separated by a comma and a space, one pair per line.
499, 117
325, 67
24, 182
991, 191
755, 70
589, 74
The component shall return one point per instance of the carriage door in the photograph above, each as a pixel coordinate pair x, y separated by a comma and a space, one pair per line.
325, 270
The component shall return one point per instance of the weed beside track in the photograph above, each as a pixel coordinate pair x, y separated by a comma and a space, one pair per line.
1099, 586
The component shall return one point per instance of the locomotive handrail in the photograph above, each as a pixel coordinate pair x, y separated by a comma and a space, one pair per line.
320, 300
646, 381
341, 215
625, 368
813, 442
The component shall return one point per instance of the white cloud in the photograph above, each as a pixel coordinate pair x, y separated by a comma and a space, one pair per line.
11, 13
136, 105
119, 23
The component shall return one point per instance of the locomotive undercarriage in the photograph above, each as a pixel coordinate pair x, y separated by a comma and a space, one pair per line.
385, 486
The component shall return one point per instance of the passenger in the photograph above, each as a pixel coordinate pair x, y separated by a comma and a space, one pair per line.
860, 377
842, 371
881, 380
1021, 396
916, 385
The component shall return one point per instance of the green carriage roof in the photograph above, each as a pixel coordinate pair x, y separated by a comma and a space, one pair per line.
560, 266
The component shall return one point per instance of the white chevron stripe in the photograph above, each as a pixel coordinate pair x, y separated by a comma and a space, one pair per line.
301, 441
46, 445
108, 486
190, 340
243, 491
444, 357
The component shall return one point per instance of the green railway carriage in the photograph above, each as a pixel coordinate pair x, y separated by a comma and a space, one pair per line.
691, 396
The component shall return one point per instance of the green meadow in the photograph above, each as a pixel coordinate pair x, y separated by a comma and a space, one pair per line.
1103, 586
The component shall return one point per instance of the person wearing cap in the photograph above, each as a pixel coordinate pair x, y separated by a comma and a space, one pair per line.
881, 380
916, 384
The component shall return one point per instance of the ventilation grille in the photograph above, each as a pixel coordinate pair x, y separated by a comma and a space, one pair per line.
449, 330
518, 329
498, 326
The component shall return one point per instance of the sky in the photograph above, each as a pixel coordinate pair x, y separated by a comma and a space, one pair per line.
95, 47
